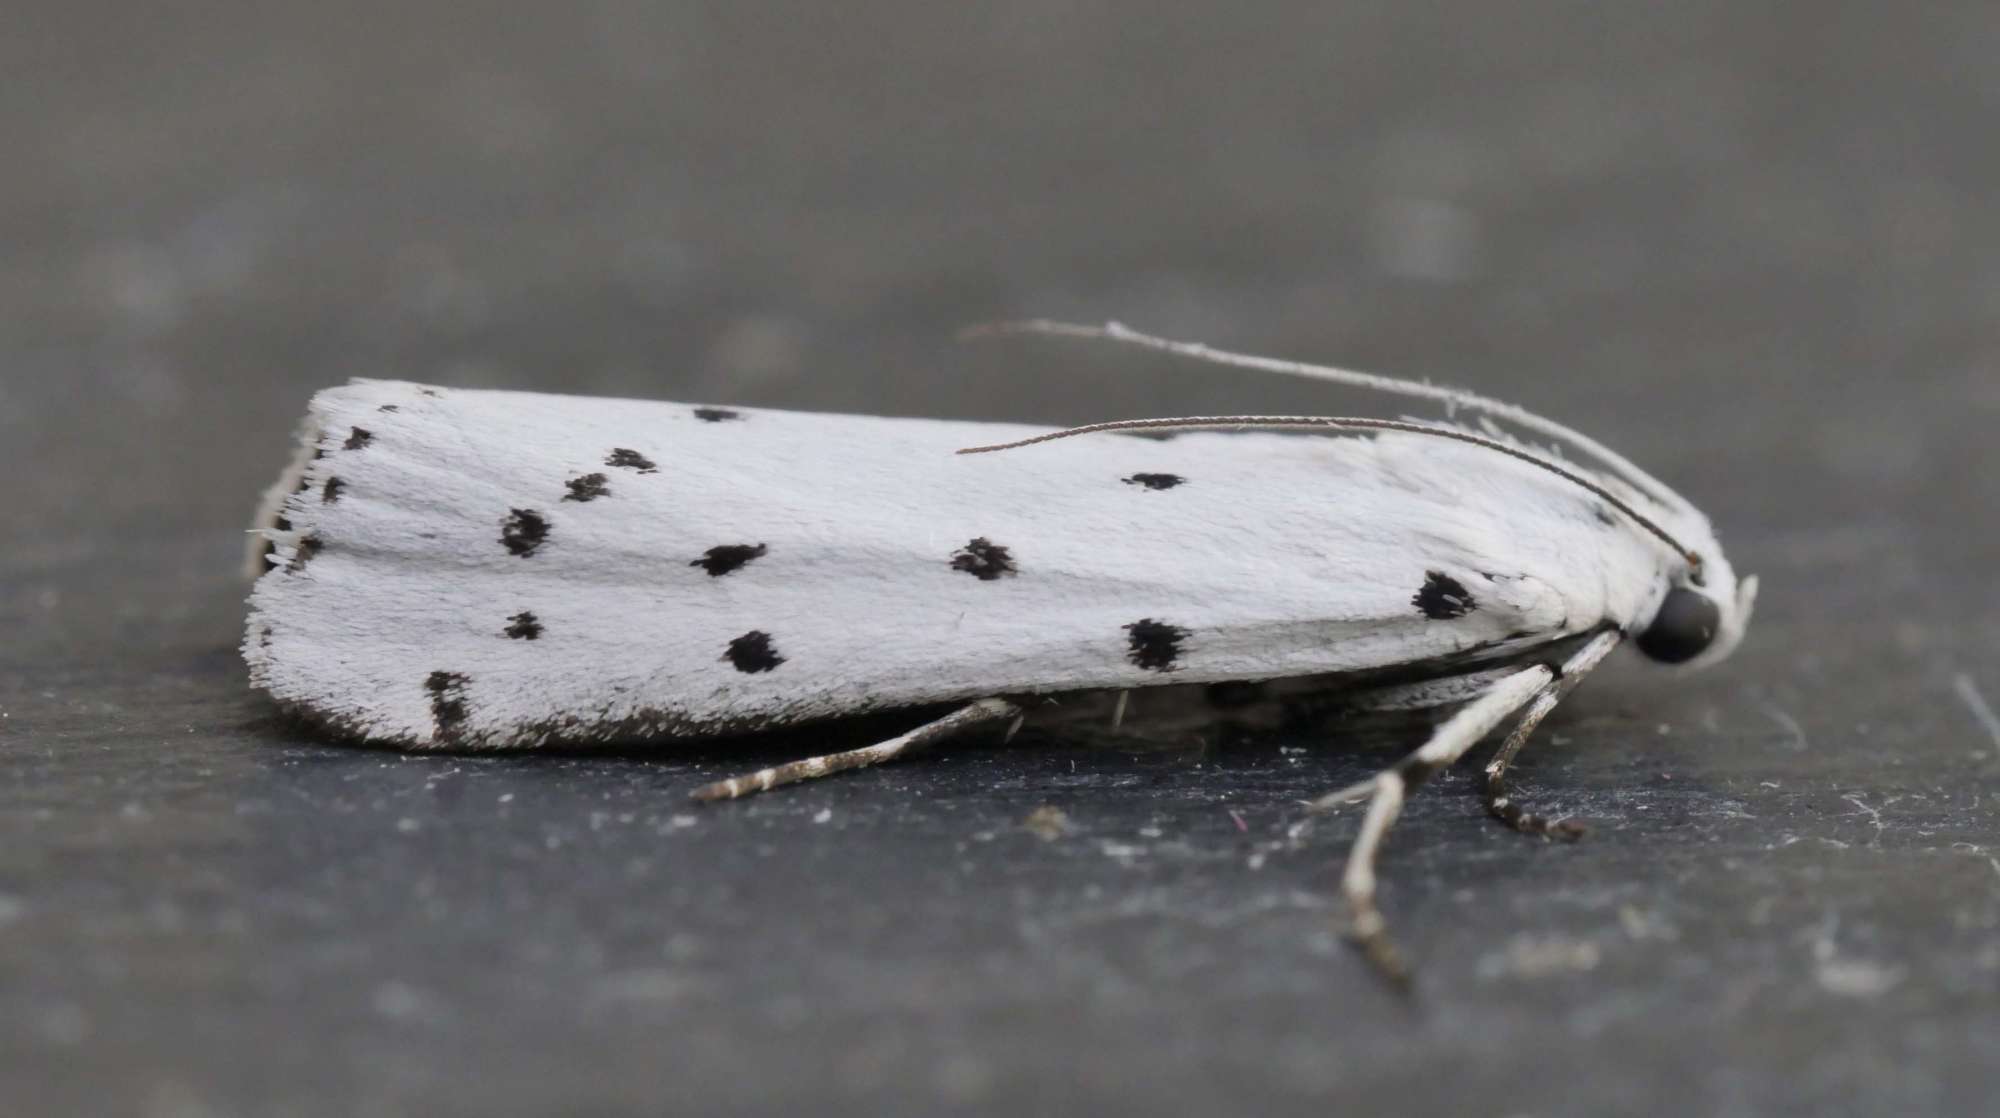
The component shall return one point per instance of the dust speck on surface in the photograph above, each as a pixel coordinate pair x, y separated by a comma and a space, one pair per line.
1856, 978
1849, 976
397, 1000
1047, 823
1527, 956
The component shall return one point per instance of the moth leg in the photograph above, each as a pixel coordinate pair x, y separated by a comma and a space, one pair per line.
763, 780
1386, 790
1499, 801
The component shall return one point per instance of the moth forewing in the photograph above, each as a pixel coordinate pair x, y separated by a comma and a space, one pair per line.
771, 568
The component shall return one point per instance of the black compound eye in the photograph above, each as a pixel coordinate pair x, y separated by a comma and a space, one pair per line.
1683, 629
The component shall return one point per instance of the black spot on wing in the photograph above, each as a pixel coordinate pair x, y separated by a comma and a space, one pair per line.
630, 460
358, 438
716, 415
589, 487
389, 408
523, 531
1155, 481
1443, 598
526, 626
1154, 645
1604, 516
983, 559
724, 558
330, 492
303, 552
753, 652
447, 703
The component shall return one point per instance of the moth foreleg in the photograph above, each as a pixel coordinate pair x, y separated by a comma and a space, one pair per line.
1385, 793
1501, 802
808, 768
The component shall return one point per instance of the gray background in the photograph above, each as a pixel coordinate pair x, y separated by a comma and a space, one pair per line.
1753, 245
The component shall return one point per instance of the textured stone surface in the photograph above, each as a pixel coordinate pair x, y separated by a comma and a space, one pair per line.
1751, 245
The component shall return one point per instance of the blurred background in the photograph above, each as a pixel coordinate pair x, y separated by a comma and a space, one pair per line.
1752, 245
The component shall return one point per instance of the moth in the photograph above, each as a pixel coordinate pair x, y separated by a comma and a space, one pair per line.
483, 570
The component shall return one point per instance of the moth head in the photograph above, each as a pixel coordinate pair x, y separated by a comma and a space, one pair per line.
1701, 617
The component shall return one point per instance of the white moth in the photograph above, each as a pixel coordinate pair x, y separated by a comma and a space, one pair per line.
456, 569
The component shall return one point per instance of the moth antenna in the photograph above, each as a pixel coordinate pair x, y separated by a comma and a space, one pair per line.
1452, 398
1352, 423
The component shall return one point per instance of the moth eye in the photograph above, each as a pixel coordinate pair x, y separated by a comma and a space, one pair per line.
1685, 626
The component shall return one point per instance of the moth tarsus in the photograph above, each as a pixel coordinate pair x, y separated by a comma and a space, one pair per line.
1500, 802
826, 764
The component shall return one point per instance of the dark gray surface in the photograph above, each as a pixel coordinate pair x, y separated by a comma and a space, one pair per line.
1752, 245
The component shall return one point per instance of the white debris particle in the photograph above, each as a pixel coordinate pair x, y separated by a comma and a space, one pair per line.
1047, 823
408, 826
1856, 978
1124, 852
1848, 977
1982, 712
1644, 925
1787, 723
1533, 957
823, 815
647, 985
396, 1001
1874, 813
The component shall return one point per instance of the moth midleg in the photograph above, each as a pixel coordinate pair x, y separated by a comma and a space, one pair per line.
1499, 801
826, 764
1385, 793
